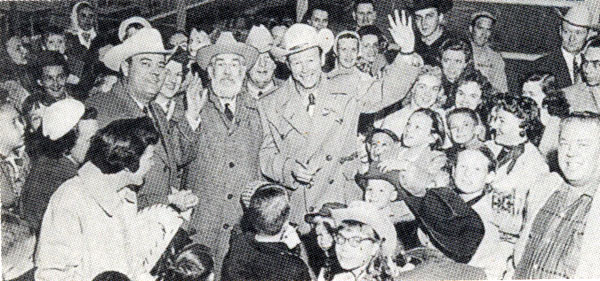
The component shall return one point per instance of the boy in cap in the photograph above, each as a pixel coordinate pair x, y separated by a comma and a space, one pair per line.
486, 60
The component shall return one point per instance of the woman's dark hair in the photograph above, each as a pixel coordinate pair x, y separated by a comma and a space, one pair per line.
437, 127
111, 276
376, 131
456, 44
269, 209
192, 263
525, 109
121, 144
556, 103
55, 149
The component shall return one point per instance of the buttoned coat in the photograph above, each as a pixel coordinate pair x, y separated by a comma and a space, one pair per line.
175, 136
327, 137
227, 161
583, 98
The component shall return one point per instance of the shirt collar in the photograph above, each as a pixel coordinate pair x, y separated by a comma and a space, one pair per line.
253, 90
80, 33
231, 103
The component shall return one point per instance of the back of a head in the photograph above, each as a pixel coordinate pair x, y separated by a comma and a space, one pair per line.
269, 209
121, 144
193, 263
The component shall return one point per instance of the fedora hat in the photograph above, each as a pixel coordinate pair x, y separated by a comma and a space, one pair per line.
125, 24
578, 15
443, 6
368, 214
226, 44
260, 38
145, 41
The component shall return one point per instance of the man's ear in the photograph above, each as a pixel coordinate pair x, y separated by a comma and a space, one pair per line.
125, 68
441, 18
394, 195
354, 15
211, 72
471, 29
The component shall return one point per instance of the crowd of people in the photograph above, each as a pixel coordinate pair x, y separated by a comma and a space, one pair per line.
289, 152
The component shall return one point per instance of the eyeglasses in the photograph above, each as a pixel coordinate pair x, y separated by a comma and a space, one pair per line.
352, 241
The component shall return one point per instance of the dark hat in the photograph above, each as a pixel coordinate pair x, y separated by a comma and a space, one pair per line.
325, 211
374, 173
443, 6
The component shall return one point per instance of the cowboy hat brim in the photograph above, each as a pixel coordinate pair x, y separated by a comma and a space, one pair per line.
205, 54
145, 41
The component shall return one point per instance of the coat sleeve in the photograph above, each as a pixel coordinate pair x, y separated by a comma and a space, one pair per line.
500, 75
61, 243
393, 86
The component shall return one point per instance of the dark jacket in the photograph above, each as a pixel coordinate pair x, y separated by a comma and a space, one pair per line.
555, 63
431, 53
249, 259
452, 226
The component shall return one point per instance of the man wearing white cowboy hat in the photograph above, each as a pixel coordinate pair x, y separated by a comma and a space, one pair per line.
140, 59
574, 30
261, 79
312, 120
228, 144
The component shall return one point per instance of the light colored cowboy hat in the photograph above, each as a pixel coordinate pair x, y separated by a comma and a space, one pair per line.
260, 38
300, 37
226, 44
368, 214
145, 41
579, 15
61, 117
125, 24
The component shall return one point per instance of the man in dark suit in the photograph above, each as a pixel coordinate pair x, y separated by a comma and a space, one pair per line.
565, 62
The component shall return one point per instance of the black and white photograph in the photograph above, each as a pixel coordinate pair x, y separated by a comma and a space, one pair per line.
321, 140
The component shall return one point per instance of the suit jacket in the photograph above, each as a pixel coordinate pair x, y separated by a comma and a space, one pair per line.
555, 63
118, 104
322, 140
227, 161
583, 98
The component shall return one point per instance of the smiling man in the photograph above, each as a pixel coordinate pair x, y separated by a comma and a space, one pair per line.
485, 59
52, 72
140, 59
429, 18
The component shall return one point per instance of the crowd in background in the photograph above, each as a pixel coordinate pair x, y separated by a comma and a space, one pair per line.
265, 149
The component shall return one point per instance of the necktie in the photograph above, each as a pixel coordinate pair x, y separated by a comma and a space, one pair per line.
86, 36
311, 104
576, 71
228, 112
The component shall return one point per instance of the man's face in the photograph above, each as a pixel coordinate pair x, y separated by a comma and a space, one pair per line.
482, 30
306, 67
462, 128
380, 143
573, 37
261, 74
380, 193
227, 73
365, 14
319, 19
579, 151
471, 171
53, 81
278, 31
453, 64
508, 128
426, 91
468, 95
369, 46
145, 76
16, 51
324, 237
347, 50
428, 21
56, 42
173, 79
591, 66
12, 127
86, 18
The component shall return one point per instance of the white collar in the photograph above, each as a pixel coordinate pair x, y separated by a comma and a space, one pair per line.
168, 107
231, 103
80, 33
253, 90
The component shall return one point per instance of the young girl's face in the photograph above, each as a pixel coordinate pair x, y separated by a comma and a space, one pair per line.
380, 193
418, 130
468, 95
462, 127
471, 172
426, 91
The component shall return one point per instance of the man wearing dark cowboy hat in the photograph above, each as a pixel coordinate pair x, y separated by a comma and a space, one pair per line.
228, 145
565, 62
141, 62
429, 16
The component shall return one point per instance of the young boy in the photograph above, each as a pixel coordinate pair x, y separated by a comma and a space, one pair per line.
464, 129
272, 250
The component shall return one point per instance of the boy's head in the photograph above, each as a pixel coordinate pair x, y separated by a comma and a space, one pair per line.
464, 125
380, 189
52, 74
424, 127
473, 90
192, 263
456, 54
473, 169
269, 209
515, 120
54, 39
379, 141
12, 126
